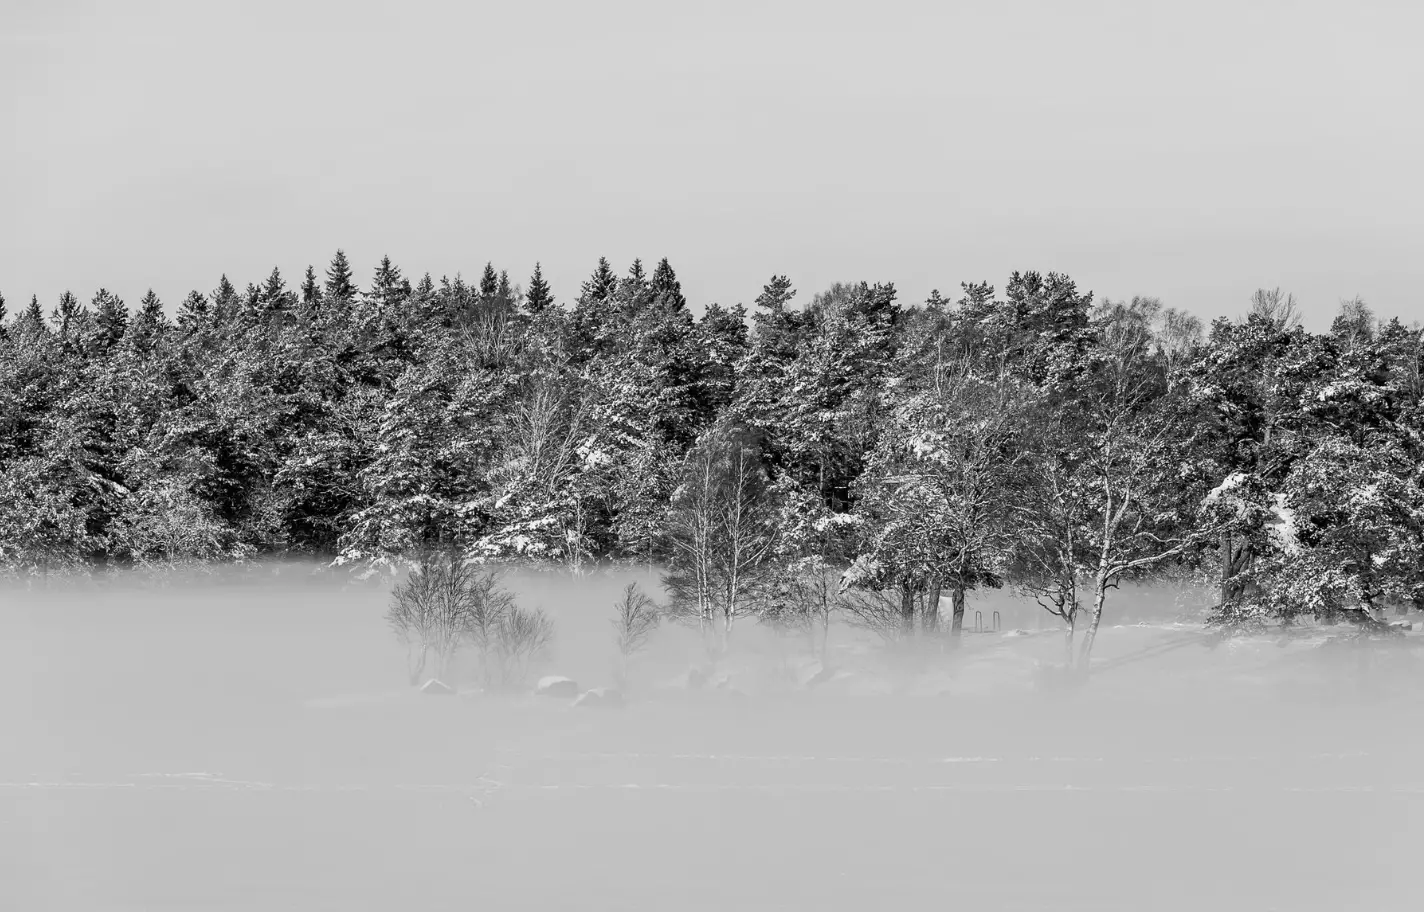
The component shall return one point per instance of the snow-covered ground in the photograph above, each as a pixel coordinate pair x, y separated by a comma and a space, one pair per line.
257, 747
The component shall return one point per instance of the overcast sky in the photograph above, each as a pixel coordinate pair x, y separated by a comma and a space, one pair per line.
1189, 150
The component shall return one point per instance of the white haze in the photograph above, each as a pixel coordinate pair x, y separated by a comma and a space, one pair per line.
236, 743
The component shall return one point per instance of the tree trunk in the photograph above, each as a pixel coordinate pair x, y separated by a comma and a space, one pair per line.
1100, 595
956, 624
907, 609
1068, 630
419, 667
931, 618
1228, 562
825, 636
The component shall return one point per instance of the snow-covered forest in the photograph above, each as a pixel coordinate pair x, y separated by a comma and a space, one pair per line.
842, 452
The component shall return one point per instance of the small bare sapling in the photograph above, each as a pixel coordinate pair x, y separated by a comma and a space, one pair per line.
429, 613
636, 618
523, 634
446, 603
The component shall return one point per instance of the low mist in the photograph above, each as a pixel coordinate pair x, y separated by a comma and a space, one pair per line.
250, 738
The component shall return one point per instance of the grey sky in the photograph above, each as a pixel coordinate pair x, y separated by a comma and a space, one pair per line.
1193, 151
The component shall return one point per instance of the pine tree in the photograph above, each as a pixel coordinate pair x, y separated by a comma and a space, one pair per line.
777, 327
538, 298
340, 291
775, 295
111, 318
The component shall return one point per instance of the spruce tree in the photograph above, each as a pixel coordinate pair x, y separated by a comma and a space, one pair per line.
150, 310
666, 289
600, 285
225, 301
193, 312
34, 314
538, 298
111, 318
2, 308
424, 302
637, 277
389, 288
275, 296
67, 313
505, 294
311, 291
149, 323
489, 283
340, 291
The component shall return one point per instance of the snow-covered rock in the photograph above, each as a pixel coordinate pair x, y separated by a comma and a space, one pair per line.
606, 697
434, 686
556, 686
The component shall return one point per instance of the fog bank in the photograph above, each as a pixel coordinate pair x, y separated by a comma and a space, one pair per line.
251, 742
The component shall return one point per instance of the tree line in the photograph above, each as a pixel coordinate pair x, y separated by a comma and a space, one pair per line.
850, 455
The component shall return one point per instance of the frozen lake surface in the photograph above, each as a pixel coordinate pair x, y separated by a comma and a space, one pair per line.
242, 749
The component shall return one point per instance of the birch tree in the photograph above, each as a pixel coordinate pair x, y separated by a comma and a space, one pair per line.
722, 530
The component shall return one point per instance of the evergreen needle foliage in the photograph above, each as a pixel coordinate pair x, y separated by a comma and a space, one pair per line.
843, 454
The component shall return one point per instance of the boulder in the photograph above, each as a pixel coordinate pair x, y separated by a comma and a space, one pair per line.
606, 697
434, 686
556, 686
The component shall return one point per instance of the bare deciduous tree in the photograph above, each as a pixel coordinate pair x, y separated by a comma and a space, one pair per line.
1112, 491
445, 603
722, 529
1276, 306
432, 611
635, 619
522, 634
1354, 323
1045, 556
881, 611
